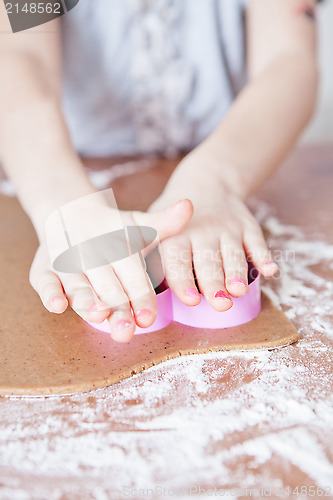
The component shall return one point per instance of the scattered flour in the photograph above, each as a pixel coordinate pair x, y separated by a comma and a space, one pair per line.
231, 420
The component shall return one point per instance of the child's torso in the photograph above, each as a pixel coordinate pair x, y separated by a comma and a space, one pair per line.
146, 76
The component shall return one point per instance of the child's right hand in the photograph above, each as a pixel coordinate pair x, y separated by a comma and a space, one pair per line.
120, 292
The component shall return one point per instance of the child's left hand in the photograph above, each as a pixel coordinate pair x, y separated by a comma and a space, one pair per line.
220, 236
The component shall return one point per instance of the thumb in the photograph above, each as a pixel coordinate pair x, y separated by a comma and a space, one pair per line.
167, 222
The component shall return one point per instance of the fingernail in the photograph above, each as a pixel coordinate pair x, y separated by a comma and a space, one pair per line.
222, 295
192, 292
120, 325
237, 281
98, 306
271, 263
57, 298
143, 313
55, 302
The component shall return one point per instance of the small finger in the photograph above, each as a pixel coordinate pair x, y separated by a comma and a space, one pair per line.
210, 276
50, 290
135, 281
235, 266
110, 291
177, 259
258, 252
83, 299
122, 326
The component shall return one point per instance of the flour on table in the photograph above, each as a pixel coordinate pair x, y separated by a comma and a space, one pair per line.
231, 419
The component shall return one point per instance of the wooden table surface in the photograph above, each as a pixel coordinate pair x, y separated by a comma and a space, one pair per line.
261, 421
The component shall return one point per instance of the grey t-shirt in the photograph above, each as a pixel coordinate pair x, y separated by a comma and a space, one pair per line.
146, 76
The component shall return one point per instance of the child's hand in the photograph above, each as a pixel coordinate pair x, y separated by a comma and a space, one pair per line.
218, 238
109, 291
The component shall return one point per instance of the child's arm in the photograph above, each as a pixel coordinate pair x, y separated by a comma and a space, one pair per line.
39, 158
35, 148
269, 115
257, 133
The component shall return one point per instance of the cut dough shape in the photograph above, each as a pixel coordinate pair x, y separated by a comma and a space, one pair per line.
43, 353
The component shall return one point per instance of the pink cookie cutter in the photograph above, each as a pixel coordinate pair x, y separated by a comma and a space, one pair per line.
170, 309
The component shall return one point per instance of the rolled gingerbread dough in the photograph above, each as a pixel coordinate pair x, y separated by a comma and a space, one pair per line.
43, 353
